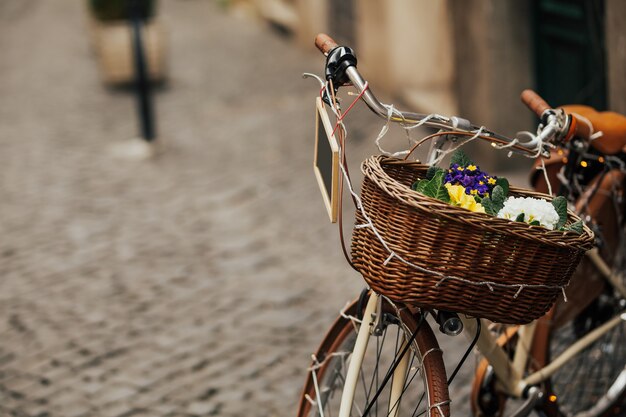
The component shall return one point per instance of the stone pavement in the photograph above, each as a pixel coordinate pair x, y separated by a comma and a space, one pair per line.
194, 284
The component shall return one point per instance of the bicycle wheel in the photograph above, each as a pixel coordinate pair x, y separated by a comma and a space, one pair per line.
591, 384
424, 392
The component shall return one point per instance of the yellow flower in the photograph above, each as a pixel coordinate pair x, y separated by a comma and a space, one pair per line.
460, 199
471, 168
456, 192
491, 181
459, 168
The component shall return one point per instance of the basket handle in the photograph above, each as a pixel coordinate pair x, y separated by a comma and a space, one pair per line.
434, 135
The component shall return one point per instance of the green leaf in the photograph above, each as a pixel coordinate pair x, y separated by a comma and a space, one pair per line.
494, 203
434, 187
560, 205
432, 171
459, 157
520, 217
443, 195
487, 203
419, 185
504, 183
478, 199
575, 227
535, 223
498, 197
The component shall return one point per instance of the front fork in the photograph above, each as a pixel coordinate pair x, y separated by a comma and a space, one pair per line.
371, 323
360, 346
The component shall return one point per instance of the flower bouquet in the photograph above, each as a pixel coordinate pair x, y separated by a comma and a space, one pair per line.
465, 185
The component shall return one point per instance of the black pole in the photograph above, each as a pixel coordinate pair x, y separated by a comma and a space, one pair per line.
142, 83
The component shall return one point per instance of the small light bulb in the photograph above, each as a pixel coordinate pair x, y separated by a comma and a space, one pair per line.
601, 159
583, 164
552, 398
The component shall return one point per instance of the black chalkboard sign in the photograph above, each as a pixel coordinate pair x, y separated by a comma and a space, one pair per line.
326, 160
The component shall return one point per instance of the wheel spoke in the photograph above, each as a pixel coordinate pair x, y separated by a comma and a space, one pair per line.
376, 373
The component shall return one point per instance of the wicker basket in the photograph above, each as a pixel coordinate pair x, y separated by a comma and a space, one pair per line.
452, 259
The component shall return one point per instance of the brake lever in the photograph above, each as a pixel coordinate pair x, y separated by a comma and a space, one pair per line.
551, 131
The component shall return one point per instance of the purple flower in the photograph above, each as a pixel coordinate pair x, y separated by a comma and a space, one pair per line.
475, 181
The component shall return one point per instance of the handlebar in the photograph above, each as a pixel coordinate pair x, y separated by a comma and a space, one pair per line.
329, 48
558, 125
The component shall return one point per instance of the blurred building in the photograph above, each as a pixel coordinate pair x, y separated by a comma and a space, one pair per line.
474, 57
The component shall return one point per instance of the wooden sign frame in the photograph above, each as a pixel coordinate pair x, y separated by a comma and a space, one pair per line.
326, 164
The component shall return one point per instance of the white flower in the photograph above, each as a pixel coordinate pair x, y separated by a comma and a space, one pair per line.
534, 209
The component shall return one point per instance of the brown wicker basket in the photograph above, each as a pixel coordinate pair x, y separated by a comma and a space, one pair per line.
452, 259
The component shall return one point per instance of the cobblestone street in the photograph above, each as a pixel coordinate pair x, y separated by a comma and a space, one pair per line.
194, 284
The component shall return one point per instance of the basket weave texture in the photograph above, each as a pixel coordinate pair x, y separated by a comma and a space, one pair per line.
471, 263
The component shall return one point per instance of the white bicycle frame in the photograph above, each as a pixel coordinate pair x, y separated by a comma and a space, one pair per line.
509, 373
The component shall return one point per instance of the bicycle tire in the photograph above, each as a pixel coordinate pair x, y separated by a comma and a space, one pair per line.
426, 371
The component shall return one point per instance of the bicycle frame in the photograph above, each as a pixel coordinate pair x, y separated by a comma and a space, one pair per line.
509, 372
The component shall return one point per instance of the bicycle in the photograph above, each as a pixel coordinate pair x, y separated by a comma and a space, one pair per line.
525, 358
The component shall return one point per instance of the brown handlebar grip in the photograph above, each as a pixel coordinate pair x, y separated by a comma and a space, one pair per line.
325, 43
534, 102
